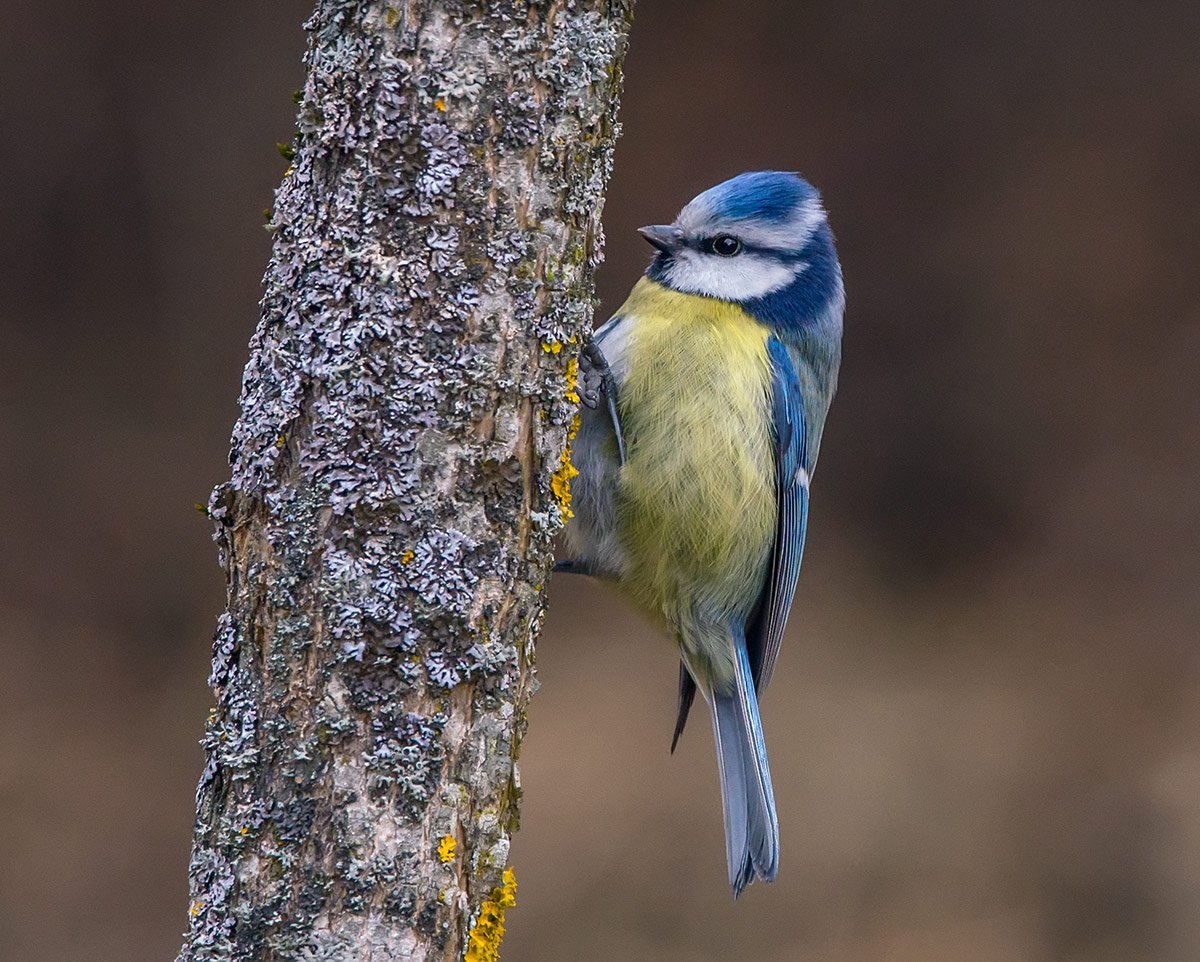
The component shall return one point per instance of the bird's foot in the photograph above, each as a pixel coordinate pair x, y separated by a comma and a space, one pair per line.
572, 567
594, 374
596, 381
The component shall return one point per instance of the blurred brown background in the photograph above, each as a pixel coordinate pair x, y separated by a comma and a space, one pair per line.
985, 731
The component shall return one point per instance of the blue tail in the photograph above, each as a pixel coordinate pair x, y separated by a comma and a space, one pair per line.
751, 825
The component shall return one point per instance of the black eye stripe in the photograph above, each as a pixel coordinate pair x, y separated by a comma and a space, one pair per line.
724, 245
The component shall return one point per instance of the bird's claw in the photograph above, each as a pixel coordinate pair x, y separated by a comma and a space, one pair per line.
596, 379
593, 373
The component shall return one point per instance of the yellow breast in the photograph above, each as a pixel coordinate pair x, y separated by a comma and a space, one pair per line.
696, 498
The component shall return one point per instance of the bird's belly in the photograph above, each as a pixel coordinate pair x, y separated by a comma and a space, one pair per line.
696, 498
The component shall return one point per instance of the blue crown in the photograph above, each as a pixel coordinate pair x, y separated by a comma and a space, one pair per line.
770, 195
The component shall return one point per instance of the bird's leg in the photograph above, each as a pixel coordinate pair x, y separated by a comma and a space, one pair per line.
592, 370
596, 379
570, 567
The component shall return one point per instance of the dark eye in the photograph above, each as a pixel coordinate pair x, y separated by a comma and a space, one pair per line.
724, 245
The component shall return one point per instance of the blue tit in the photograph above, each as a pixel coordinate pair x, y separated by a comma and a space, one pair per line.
705, 398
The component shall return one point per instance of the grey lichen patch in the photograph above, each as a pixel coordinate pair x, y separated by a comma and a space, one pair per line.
386, 530
404, 759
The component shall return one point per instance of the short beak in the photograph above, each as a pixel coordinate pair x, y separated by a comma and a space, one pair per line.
666, 237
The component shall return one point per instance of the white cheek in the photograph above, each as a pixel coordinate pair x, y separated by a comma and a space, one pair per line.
738, 278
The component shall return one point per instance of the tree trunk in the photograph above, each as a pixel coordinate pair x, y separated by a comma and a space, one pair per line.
400, 466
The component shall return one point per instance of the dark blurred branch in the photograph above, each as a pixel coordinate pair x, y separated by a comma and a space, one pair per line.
399, 470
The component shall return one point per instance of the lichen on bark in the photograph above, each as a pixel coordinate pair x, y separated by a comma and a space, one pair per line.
387, 526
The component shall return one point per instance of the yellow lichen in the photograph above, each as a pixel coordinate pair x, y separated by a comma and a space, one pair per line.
560, 481
195, 908
446, 849
552, 347
280, 441
440, 104
571, 394
483, 944
407, 557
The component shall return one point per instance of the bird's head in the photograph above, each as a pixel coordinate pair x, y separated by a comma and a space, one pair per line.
746, 239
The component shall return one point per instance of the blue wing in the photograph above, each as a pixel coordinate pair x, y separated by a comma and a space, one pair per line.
765, 633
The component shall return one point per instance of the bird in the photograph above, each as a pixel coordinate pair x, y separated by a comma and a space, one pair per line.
704, 402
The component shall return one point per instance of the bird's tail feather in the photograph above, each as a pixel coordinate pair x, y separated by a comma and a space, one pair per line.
751, 825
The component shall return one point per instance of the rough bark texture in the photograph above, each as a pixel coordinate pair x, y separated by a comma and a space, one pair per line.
400, 467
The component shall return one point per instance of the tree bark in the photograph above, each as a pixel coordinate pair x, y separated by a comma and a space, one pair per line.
399, 468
